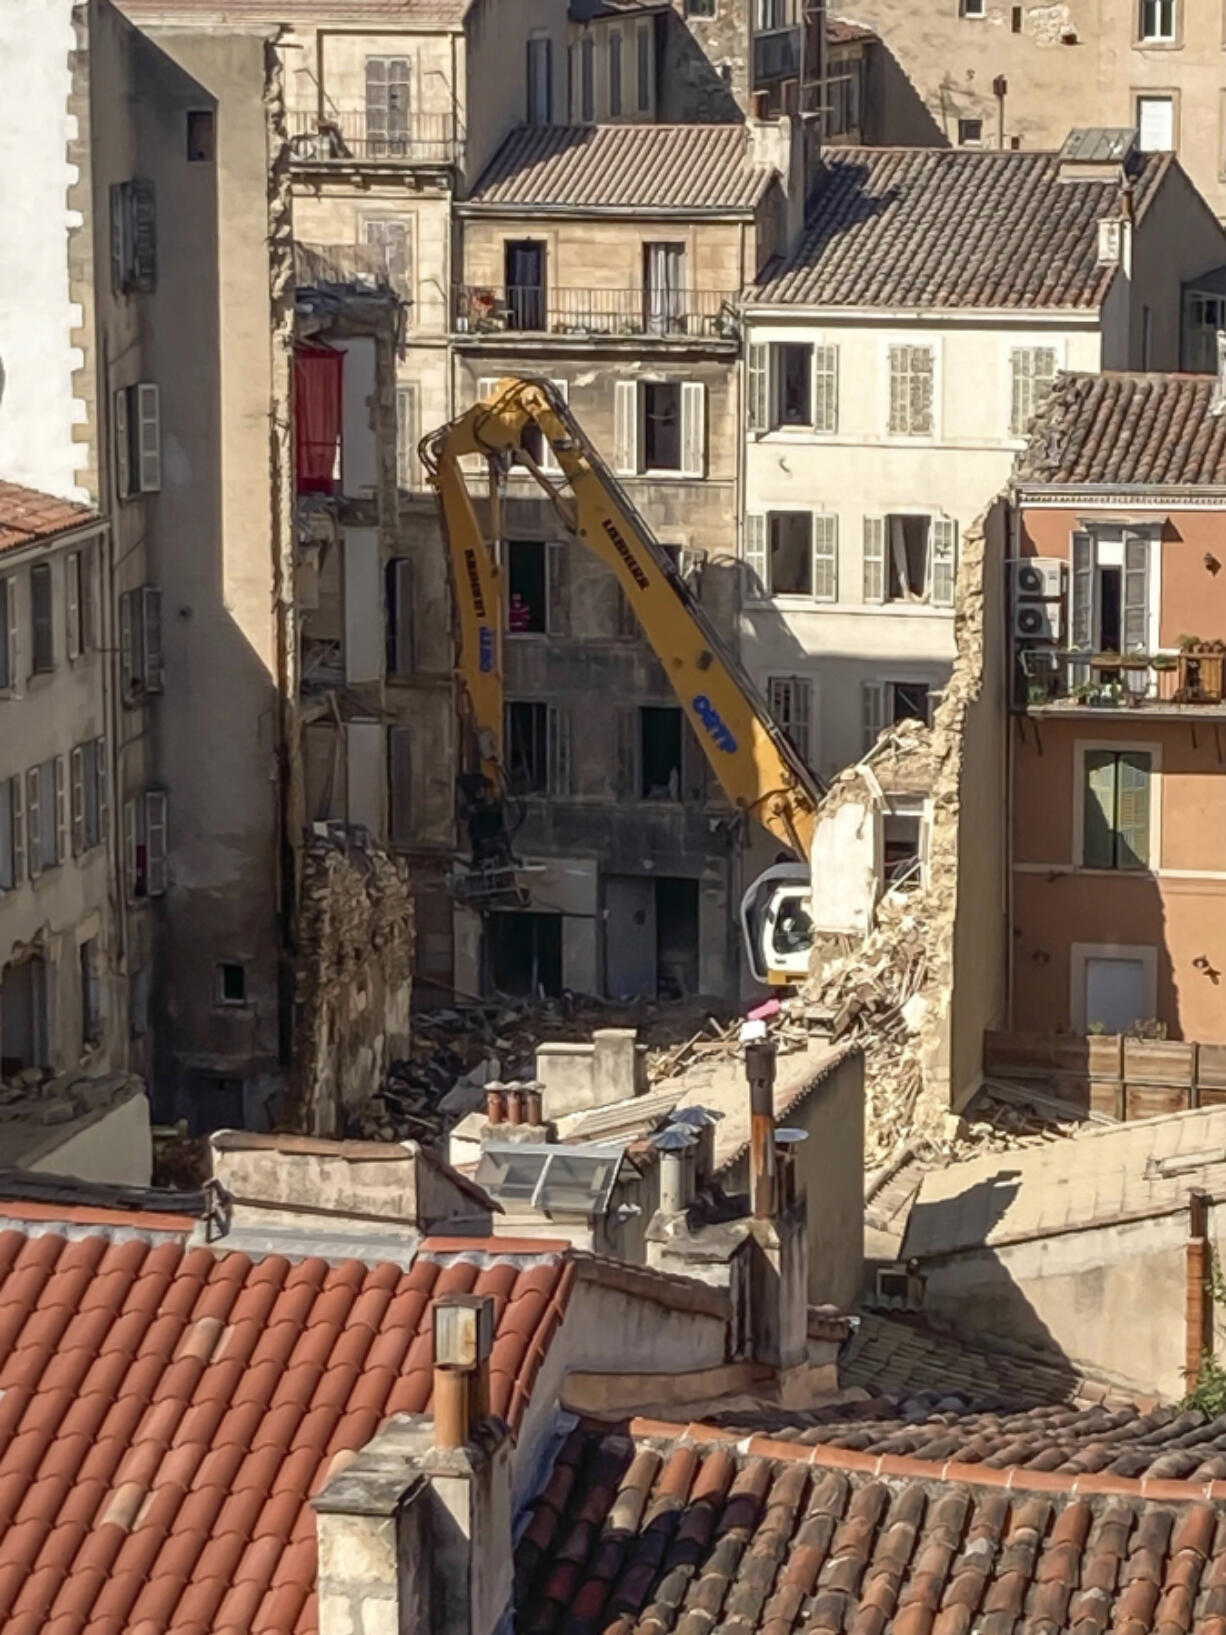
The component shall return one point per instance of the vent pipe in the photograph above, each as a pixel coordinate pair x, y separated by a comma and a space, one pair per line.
760, 1071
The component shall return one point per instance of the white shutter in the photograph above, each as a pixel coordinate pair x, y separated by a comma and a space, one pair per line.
34, 833
874, 559
757, 388
626, 427
943, 540
825, 557
1081, 592
102, 777
1135, 616
78, 801
755, 555
486, 387
19, 829
123, 445
693, 428
131, 845
549, 460
72, 604
149, 444
151, 633
826, 388
872, 703
61, 812
12, 673
155, 843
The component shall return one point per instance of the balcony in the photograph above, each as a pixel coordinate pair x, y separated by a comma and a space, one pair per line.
341, 266
483, 309
349, 137
1060, 681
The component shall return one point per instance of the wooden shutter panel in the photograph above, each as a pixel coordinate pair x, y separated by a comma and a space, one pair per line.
825, 557
826, 388
102, 776
72, 604
756, 559
19, 829
628, 753
1134, 622
757, 388
874, 559
558, 600
626, 427
127, 673
7, 819
144, 235
1098, 825
557, 723
34, 830
400, 785
693, 428
872, 709
149, 442
376, 99
1132, 810
8, 629
123, 444
1081, 615
78, 801
151, 632
155, 843
119, 237
943, 537
61, 809
131, 845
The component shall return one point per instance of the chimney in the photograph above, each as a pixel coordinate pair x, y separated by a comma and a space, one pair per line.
1198, 1324
760, 1071
779, 1225
676, 1146
791, 146
414, 1530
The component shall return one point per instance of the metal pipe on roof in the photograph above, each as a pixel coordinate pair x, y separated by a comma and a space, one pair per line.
760, 1071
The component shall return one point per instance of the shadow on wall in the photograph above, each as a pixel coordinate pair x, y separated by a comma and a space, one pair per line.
691, 88
897, 113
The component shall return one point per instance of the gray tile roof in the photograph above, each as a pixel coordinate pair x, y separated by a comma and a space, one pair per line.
444, 14
1132, 430
640, 167
940, 227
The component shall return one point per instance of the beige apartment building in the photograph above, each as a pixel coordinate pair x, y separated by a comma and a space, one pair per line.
981, 73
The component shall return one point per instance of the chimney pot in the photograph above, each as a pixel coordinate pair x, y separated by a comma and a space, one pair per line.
451, 1407
533, 1105
495, 1104
463, 1341
760, 1071
759, 104
515, 1107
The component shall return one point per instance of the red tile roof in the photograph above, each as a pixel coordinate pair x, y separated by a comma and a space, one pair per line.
165, 1414
674, 1534
27, 516
842, 31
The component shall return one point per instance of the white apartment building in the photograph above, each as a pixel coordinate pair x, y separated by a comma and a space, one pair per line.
893, 362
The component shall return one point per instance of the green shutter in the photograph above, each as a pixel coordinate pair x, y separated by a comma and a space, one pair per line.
1098, 842
1132, 810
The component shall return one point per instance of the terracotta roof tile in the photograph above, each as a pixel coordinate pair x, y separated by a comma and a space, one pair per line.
166, 1415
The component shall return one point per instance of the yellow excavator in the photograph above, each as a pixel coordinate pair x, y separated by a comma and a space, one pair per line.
755, 762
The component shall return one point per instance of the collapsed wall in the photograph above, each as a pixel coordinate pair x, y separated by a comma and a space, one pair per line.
353, 979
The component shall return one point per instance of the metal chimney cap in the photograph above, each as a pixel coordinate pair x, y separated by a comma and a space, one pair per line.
696, 1118
789, 1136
675, 1138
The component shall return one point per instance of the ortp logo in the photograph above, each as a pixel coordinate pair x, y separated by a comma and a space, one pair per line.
485, 649
711, 719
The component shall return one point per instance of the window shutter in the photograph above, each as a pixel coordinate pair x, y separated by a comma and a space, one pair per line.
7, 872
400, 785
558, 602
131, 846
757, 389
872, 706
123, 445
626, 427
34, 831
627, 753
144, 235
943, 537
1135, 622
19, 829
72, 604
151, 631
61, 810
1132, 810
376, 99
921, 391
155, 843
874, 559
102, 778
119, 237
558, 750
826, 388
756, 559
825, 557
1081, 616
127, 672
11, 675
78, 801
549, 460
1019, 411
693, 428
149, 445
1098, 826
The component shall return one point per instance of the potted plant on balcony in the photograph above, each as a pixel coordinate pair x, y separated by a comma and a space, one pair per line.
1200, 670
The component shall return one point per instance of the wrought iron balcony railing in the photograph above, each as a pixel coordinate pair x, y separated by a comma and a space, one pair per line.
360, 135
1050, 678
503, 309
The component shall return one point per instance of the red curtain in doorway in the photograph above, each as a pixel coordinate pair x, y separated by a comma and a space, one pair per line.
317, 416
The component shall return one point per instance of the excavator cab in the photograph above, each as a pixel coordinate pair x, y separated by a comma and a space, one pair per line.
777, 924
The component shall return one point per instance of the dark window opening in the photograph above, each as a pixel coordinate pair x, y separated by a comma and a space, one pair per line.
232, 982
587, 79
907, 553
216, 1103
970, 133
540, 82
795, 385
91, 1005
660, 752
23, 1017
201, 136
1110, 609
43, 644
399, 615
791, 548
910, 701
900, 844
676, 939
662, 425
524, 277
524, 953
527, 593
527, 747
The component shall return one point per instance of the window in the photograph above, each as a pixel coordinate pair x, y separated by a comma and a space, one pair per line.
972, 8
587, 79
201, 136
772, 14
524, 275
970, 133
75, 572
1033, 369
845, 88
664, 291
538, 749
1156, 124
1158, 19
231, 983
615, 73
91, 992
793, 385
885, 703
540, 82
1109, 592
133, 237
1116, 796
145, 845
700, 8
911, 372
45, 816
793, 553
642, 41
406, 436
138, 440
791, 703
140, 643
8, 634
399, 616
387, 106
400, 786
88, 795
660, 735
12, 834
660, 426
23, 1004
42, 629
391, 235
910, 559
902, 840
1204, 316
527, 588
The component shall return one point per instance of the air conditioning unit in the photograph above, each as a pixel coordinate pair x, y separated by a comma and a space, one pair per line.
1038, 579
1038, 621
